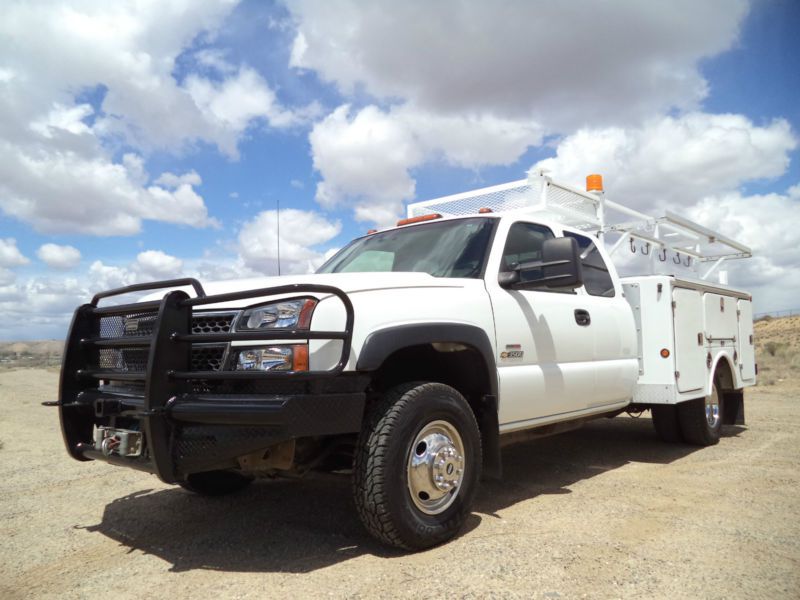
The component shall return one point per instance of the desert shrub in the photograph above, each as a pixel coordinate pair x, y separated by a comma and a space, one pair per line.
772, 347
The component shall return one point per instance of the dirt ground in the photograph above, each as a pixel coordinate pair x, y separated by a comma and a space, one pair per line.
606, 511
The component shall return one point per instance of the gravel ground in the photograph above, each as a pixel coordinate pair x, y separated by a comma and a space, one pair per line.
606, 511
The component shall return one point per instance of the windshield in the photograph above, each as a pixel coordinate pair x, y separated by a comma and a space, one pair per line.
443, 249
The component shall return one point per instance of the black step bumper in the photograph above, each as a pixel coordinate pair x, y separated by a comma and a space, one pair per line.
210, 431
198, 420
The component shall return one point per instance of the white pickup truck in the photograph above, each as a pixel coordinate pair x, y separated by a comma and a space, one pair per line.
415, 353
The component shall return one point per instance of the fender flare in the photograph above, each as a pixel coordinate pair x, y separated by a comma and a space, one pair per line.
382, 343
720, 357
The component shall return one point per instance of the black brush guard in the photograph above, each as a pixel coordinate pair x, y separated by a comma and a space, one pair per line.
189, 431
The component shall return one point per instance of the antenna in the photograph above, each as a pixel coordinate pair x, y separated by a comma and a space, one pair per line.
279, 236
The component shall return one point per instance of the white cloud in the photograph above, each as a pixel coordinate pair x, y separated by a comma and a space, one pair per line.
476, 84
768, 224
216, 59
300, 232
10, 255
39, 307
62, 118
149, 265
106, 277
56, 50
562, 63
234, 103
674, 161
67, 191
367, 157
59, 257
182, 206
170, 180
57, 165
155, 264
7, 277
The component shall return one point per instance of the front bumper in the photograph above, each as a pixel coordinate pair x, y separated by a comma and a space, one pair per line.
197, 420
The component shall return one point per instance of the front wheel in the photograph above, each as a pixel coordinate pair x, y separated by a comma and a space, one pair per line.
417, 466
701, 419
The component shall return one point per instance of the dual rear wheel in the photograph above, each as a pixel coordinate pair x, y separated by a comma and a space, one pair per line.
696, 421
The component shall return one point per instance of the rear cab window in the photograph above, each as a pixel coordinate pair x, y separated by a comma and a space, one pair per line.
597, 281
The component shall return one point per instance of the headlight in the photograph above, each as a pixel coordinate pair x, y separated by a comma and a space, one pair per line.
286, 314
273, 358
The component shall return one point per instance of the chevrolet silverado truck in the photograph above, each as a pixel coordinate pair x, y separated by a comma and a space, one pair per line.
415, 353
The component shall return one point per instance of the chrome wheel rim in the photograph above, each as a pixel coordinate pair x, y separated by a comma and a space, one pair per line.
436, 467
712, 408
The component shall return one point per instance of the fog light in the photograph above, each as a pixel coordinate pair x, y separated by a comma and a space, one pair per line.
273, 358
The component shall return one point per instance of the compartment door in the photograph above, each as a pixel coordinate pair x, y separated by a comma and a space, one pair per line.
690, 361
721, 326
747, 352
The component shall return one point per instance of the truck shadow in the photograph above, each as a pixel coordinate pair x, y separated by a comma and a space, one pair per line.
301, 526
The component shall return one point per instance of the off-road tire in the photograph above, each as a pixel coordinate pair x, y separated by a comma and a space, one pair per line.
694, 424
380, 469
215, 483
666, 424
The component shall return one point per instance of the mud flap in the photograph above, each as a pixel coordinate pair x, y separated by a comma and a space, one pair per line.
733, 407
490, 438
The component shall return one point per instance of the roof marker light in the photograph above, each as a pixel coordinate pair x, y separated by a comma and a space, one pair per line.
420, 219
484, 210
594, 183
371, 231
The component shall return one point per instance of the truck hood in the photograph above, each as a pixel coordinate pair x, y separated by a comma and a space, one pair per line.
347, 282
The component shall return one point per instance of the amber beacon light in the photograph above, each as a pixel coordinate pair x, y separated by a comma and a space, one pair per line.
594, 183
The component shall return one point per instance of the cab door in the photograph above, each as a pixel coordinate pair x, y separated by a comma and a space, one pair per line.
545, 340
616, 345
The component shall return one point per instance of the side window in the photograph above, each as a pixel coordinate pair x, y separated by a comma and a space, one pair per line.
524, 244
596, 278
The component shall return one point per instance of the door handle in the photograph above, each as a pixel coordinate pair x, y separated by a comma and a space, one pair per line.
582, 317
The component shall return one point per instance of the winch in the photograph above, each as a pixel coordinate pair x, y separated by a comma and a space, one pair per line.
122, 442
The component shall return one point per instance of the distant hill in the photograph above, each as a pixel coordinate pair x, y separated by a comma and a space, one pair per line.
44, 353
777, 349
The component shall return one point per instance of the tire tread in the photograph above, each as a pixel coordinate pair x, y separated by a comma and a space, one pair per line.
694, 427
370, 468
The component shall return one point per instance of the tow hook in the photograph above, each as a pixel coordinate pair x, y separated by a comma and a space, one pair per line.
122, 442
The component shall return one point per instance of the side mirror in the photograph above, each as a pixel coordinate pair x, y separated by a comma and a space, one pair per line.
560, 267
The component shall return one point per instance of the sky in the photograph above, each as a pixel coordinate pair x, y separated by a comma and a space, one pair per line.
149, 140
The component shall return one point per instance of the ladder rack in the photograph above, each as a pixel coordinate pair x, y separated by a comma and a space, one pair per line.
690, 243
